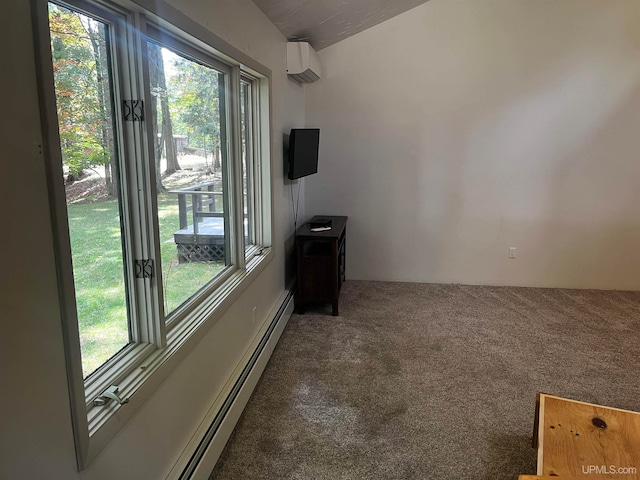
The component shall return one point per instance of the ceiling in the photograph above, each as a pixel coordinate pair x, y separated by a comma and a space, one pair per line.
325, 22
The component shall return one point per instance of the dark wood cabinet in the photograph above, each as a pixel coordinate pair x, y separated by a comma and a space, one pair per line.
321, 263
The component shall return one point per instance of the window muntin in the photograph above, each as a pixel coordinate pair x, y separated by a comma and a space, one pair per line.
82, 66
188, 105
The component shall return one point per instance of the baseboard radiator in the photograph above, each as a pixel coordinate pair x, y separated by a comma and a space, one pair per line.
218, 426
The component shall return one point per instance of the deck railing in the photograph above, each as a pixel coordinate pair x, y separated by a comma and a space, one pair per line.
203, 203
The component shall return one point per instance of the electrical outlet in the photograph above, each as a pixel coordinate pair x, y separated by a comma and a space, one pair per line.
512, 252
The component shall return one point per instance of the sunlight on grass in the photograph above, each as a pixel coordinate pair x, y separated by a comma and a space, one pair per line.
99, 277
167, 211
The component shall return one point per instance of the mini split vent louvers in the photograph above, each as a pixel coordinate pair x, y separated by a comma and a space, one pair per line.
303, 63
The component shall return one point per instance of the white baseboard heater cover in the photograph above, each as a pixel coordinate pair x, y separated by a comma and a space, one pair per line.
208, 450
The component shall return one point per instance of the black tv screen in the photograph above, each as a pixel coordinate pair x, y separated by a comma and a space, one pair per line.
303, 152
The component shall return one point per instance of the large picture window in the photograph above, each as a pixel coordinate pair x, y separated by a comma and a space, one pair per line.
160, 177
188, 108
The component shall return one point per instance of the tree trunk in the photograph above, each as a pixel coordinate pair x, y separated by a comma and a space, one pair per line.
167, 127
98, 44
216, 156
108, 180
167, 132
155, 60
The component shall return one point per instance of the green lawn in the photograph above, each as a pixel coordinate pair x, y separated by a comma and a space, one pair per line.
99, 279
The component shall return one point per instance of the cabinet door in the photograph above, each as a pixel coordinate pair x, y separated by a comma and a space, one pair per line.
315, 273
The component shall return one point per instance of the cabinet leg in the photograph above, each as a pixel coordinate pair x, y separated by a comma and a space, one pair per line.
335, 308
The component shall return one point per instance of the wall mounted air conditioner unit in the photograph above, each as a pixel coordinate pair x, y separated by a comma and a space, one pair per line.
303, 63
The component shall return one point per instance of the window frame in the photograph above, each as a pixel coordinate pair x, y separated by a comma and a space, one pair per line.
162, 38
158, 344
250, 164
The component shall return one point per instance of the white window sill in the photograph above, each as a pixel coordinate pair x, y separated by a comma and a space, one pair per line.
105, 421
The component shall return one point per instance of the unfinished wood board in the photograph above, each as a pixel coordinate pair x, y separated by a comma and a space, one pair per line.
583, 440
547, 477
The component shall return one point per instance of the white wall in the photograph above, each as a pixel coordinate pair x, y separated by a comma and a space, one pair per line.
36, 440
464, 127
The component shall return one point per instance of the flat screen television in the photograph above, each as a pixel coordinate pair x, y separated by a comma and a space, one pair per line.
303, 152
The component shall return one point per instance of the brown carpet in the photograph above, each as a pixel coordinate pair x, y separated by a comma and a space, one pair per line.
421, 381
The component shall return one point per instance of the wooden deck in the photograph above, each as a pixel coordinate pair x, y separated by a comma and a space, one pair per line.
204, 244
201, 237
208, 228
